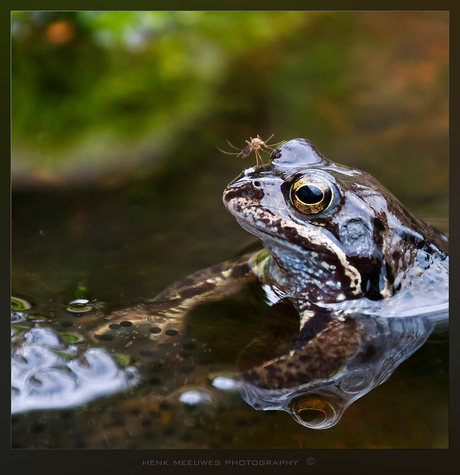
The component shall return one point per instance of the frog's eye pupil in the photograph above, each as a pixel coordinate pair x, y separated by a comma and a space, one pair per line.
309, 194
312, 194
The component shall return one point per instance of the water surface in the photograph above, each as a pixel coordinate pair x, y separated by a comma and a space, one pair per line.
114, 247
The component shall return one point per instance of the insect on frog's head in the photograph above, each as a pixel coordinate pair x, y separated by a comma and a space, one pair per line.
334, 232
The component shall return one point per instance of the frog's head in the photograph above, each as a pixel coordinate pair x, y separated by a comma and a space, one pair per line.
334, 233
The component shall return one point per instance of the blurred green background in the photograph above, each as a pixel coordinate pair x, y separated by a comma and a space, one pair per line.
104, 96
117, 181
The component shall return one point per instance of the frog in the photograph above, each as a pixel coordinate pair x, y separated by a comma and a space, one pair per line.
353, 284
363, 281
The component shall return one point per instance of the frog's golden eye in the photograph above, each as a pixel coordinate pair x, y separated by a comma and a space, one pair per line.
312, 194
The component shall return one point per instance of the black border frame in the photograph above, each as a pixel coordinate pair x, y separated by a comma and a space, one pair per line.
326, 460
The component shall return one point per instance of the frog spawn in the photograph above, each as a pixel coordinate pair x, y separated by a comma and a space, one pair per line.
48, 373
18, 309
43, 376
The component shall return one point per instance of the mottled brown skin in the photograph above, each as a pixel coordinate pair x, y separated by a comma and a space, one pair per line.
378, 237
364, 251
167, 311
322, 357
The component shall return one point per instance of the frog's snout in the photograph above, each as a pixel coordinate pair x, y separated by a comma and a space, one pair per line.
243, 190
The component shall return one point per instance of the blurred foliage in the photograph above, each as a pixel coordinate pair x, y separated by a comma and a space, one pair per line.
97, 94
103, 83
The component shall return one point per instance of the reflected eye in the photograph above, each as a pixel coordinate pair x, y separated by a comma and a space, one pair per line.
313, 412
312, 194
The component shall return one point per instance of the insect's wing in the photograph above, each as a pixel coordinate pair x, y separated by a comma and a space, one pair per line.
245, 152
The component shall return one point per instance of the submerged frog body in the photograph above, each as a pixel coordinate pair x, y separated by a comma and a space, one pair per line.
368, 279
358, 279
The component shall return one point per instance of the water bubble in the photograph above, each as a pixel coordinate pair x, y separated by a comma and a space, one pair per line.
44, 336
47, 373
36, 318
18, 304
194, 397
224, 383
79, 306
71, 337
31, 356
51, 382
356, 381
17, 317
95, 364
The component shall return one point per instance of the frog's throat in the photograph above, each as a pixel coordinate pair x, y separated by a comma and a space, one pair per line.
259, 262
314, 236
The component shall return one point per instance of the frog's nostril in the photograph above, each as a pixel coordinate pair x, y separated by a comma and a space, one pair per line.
257, 184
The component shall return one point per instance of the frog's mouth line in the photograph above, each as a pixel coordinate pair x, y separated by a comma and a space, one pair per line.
262, 233
256, 221
255, 227
315, 241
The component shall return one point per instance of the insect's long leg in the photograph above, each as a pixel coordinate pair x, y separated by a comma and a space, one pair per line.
228, 153
258, 157
253, 145
236, 148
272, 145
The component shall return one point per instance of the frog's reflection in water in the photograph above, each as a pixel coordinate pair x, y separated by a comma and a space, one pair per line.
381, 345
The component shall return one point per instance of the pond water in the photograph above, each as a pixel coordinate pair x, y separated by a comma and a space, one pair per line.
79, 254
